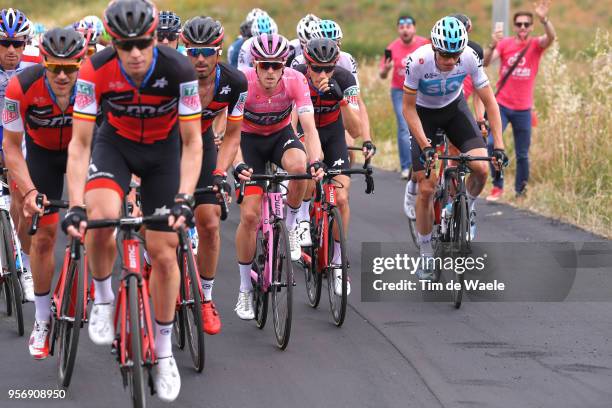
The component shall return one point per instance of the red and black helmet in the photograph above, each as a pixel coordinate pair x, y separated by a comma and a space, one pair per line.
203, 30
125, 19
63, 43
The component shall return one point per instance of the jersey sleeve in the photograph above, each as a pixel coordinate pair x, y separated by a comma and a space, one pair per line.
479, 77
350, 89
301, 94
411, 82
240, 93
87, 94
14, 107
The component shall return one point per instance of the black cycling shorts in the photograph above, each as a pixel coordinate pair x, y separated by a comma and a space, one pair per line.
114, 159
257, 150
47, 169
209, 164
458, 123
333, 144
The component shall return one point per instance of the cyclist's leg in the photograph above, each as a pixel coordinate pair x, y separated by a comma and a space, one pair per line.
289, 153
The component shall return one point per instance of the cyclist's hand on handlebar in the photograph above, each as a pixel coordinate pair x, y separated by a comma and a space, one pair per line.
30, 206
501, 159
242, 172
220, 183
317, 169
428, 155
75, 222
181, 213
369, 149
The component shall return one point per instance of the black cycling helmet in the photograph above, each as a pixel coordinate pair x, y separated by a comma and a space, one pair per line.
203, 31
465, 20
63, 43
245, 29
322, 51
130, 18
169, 21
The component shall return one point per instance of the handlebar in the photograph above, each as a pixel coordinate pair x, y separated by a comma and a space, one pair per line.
127, 222
273, 178
462, 158
39, 203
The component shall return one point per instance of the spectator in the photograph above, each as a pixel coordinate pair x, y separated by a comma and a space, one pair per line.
399, 49
520, 58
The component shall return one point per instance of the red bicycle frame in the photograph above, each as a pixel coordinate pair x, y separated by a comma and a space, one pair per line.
61, 284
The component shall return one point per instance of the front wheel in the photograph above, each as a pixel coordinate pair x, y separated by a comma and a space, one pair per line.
193, 313
282, 285
136, 371
9, 269
460, 244
337, 267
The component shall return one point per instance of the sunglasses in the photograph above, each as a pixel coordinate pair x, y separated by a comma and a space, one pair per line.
128, 45
16, 44
161, 36
523, 24
454, 55
322, 68
66, 68
266, 65
203, 51
405, 21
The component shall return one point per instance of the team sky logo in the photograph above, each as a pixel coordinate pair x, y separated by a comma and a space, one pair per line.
10, 112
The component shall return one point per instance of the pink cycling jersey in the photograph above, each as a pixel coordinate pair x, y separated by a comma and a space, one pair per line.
266, 113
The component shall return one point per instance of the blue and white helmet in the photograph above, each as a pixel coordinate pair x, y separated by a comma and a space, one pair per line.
254, 13
14, 24
305, 27
263, 25
327, 29
449, 35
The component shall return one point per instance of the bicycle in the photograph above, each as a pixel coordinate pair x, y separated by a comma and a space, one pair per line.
188, 318
272, 270
10, 253
135, 353
318, 259
69, 300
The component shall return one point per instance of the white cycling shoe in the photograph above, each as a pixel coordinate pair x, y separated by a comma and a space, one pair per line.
338, 283
304, 233
244, 306
167, 379
101, 329
294, 244
409, 203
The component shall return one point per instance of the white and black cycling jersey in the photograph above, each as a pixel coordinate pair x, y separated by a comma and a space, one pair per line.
435, 88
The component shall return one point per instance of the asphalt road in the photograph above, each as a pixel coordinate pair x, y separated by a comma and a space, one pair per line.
387, 354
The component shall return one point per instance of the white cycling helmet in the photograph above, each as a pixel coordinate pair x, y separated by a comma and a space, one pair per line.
254, 13
263, 25
305, 27
449, 35
327, 29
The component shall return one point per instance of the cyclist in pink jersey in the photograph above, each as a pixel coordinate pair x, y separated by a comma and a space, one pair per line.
267, 136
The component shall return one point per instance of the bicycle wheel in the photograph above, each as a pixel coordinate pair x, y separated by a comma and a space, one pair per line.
10, 271
460, 245
71, 314
312, 274
337, 303
260, 297
136, 371
282, 285
178, 328
193, 312
6, 290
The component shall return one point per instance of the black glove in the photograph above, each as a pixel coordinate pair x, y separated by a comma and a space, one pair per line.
500, 156
74, 217
316, 165
239, 169
220, 181
183, 208
369, 146
335, 90
427, 154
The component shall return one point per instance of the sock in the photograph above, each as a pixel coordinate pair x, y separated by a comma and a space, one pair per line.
411, 187
103, 291
337, 259
43, 307
471, 202
291, 216
304, 214
163, 337
425, 240
245, 277
26, 260
207, 287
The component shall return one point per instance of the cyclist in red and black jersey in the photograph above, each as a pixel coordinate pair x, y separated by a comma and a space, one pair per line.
148, 94
39, 102
222, 88
335, 97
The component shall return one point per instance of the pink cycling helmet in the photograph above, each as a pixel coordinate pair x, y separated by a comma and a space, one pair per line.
269, 47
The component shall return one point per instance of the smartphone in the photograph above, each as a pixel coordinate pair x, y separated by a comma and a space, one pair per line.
387, 54
499, 26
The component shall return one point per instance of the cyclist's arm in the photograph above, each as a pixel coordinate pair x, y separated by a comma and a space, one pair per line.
350, 117
220, 124
478, 107
79, 151
311, 136
15, 161
191, 157
294, 121
238, 158
488, 98
412, 118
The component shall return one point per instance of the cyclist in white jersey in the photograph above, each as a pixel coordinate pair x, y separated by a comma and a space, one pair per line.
433, 99
263, 24
304, 33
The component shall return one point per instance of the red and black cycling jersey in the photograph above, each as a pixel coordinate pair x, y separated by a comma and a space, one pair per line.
230, 92
326, 107
30, 106
142, 114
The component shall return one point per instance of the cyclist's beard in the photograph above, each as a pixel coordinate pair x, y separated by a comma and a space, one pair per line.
204, 75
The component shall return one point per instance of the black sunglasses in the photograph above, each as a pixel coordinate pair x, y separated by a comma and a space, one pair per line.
453, 55
266, 65
322, 68
16, 44
128, 45
164, 35
525, 24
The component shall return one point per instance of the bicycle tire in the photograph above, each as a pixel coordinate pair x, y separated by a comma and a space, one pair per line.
337, 304
7, 295
178, 328
11, 271
194, 331
260, 297
136, 371
68, 335
459, 245
312, 275
282, 278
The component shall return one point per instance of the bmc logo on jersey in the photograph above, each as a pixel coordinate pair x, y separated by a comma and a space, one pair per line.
11, 111
142, 111
52, 122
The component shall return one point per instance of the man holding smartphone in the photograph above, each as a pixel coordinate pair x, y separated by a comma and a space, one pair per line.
394, 59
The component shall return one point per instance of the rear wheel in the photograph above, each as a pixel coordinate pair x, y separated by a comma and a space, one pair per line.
337, 264
193, 313
13, 287
136, 371
282, 285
